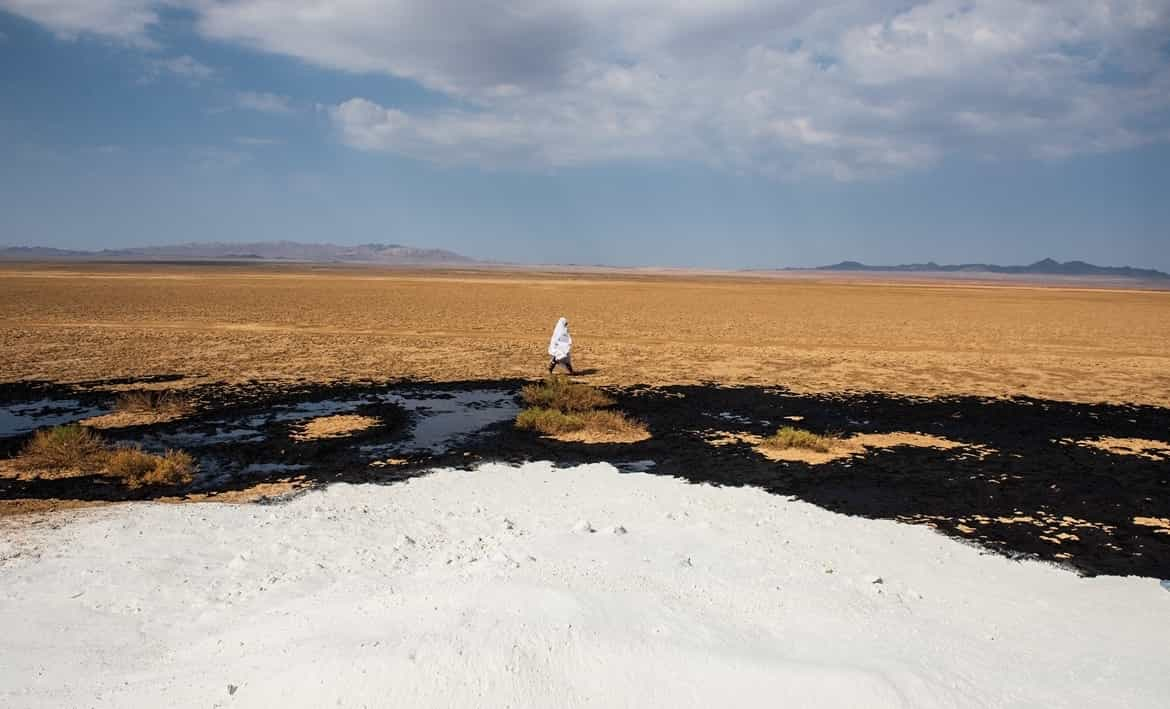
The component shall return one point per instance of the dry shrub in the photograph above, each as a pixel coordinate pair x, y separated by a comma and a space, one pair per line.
605, 425
130, 463
64, 451
173, 468
613, 423
558, 392
559, 407
789, 437
63, 448
139, 468
162, 403
548, 421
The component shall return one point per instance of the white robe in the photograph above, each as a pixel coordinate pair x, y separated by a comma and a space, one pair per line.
559, 345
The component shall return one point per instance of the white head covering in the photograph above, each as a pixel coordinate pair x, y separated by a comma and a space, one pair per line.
558, 346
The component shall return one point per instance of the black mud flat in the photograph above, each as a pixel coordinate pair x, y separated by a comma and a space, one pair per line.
1027, 492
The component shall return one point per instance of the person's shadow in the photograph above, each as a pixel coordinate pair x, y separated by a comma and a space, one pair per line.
584, 372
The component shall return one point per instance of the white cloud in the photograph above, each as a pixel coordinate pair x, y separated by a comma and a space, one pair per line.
263, 102
126, 20
184, 67
849, 89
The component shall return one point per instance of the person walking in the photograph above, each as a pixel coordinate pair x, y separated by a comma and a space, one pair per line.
559, 346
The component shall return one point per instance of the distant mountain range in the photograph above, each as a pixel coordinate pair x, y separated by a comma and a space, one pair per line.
1046, 267
397, 254
392, 254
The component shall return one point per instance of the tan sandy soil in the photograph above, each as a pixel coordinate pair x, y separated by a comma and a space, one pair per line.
256, 492
333, 427
1057, 530
86, 322
168, 407
123, 419
587, 436
856, 444
1161, 525
28, 511
1140, 447
9, 469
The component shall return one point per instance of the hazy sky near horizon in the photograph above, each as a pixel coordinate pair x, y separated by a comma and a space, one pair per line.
634, 132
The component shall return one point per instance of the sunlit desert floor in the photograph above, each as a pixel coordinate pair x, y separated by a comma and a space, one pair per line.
70, 323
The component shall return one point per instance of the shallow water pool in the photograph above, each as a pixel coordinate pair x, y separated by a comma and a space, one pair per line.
27, 416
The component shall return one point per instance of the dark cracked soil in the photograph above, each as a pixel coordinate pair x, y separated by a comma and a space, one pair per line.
1027, 493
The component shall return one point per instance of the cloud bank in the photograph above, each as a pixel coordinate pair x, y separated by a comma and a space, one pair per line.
126, 20
849, 89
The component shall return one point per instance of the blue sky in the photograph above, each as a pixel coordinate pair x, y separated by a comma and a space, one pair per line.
709, 134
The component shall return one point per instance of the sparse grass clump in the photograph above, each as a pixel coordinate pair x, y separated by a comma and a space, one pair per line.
63, 448
614, 423
159, 403
130, 463
550, 422
560, 408
599, 424
562, 394
790, 437
139, 468
171, 468
64, 451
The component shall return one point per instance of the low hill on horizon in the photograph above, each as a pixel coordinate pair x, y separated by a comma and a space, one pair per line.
256, 251
1045, 267
399, 254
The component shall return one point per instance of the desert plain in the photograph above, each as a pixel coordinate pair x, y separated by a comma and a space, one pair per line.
808, 333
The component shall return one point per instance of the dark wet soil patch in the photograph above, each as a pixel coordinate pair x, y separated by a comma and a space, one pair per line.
1016, 489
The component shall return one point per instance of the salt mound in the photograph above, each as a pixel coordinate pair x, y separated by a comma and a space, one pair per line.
416, 594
